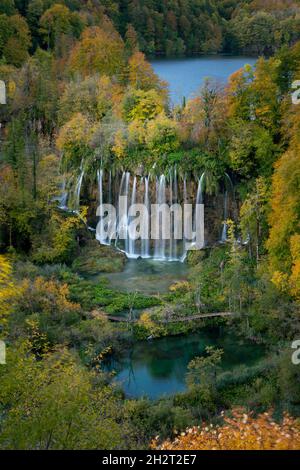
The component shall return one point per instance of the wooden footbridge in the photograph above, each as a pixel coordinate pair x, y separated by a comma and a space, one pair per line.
175, 320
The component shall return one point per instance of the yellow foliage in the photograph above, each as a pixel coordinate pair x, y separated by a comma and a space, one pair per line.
142, 76
146, 105
241, 432
180, 287
120, 144
162, 135
7, 289
146, 322
136, 132
283, 243
98, 51
76, 131
46, 296
110, 94
295, 276
281, 281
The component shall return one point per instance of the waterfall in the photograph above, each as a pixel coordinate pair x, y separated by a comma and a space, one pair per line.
166, 191
125, 217
131, 241
224, 230
145, 241
119, 221
63, 198
172, 224
100, 237
225, 227
173, 241
100, 185
109, 189
78, 191
185, 201
159, 250
199, 199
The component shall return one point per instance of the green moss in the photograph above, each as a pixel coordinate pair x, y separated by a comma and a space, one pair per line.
95, 258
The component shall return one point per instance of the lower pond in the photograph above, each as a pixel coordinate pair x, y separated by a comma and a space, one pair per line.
158, 367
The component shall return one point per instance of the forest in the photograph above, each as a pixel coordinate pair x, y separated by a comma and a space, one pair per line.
81, 94
157, 28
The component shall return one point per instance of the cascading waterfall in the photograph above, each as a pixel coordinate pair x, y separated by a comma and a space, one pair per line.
161, 250
131, 240
145, 241
174, 242
160, 243
172, 221
160, 190
119, 221
63, 198
100, 236
226, 201
109, 189
185, 201
224, 229
78, 191
200, 190
126, 224
199, 196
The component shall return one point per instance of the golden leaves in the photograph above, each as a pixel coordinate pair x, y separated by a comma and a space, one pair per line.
7, 289
239, 432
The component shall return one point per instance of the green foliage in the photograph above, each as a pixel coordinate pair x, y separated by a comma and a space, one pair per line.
56, 23
58, 243
14, 39
251, 149
162, 136
52, 404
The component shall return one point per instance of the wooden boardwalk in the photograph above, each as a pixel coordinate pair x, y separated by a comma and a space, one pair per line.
176, 320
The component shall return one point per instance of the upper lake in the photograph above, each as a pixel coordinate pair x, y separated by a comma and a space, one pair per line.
185, 76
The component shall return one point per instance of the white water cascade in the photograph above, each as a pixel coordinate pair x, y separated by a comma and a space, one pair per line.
228, 186
145, 241
100, 233
168, 190
224, 229
145, 190
63, 198
77, 191
131, 240
160, 243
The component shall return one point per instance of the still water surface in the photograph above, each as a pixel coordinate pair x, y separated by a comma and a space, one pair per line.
149, 277
185, 76
158, 368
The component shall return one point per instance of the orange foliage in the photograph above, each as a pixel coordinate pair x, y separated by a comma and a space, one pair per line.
283, 243
141, 74
240, 432
46, 296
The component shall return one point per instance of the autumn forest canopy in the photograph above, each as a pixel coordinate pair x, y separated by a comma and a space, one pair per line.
168, 27
80, 96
